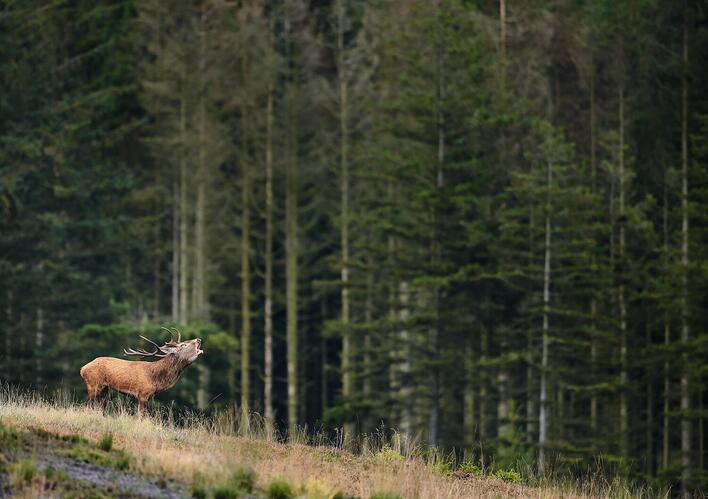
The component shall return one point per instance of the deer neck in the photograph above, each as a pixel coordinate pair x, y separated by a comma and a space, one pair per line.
166, 372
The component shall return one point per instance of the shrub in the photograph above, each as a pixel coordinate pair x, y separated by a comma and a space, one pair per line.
470, 468
384, 495
199, 486
441, 468
23, 472
510, 475
106, 442
243, 479
389, 453
57, 475
280, 489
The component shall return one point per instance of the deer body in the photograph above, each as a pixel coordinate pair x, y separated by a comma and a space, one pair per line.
139, 379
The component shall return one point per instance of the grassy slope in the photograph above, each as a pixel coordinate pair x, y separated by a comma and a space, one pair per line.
210, 454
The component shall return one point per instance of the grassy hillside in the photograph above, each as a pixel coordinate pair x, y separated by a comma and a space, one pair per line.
69, 450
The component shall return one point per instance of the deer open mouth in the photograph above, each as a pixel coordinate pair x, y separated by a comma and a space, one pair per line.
199, 346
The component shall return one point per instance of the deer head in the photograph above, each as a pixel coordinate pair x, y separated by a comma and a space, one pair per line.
186, 351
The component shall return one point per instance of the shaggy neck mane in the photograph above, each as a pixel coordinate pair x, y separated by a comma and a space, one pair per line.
166, 372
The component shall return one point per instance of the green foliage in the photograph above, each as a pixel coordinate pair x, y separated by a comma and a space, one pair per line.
441, 467
200, 486
23, 472
384, 495
279, 489
510, 475
470, 468
387, 452
106, 442
9, 438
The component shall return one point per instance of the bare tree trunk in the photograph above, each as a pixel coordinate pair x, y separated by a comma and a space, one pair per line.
347, 380
183, 213
245, 283
483, 377
667, 342
199, 229
291, 269
268, 305
245, 256
543, 405
649, 437
175, 251
368, 317
433, 423
685, 328
624, 412
39, 345
468, 421
8, 336
156, 272
593, 300
405, 394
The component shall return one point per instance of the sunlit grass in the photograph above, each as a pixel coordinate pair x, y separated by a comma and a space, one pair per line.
200, 450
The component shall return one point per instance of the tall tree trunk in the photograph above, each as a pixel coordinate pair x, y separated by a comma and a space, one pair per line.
39, 345
291, 269
157, 278
685, 329
649, 437
434, 333
347, 379
368, 318
593, 299
268, 305
468, 414
667, 342
621, 299
406, 392
183, 213
245, 278
245, 255
8, 335
199, 229
175, 250
543, 402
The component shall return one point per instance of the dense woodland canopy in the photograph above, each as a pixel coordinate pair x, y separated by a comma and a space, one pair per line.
483, 223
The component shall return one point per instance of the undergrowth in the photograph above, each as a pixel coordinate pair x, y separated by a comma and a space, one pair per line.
208, 454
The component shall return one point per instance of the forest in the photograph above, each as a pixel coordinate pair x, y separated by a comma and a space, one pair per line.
481, 223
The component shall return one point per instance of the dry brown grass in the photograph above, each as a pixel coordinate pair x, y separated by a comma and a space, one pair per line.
207, 448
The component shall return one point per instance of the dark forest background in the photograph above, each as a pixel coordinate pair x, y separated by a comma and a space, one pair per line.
482, 223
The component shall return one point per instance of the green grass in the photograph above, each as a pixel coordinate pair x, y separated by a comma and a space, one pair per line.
106, 442
280, 489
23, 472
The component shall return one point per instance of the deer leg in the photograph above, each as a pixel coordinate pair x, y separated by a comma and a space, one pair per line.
142, 405
102, 398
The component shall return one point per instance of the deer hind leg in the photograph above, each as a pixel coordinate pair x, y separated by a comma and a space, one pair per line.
101, 398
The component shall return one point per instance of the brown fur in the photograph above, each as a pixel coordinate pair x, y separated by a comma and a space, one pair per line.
138, 379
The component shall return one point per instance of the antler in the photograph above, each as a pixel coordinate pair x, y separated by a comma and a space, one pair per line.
172, 330
159, 352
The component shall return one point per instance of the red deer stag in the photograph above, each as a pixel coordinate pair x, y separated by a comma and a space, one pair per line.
139, 379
